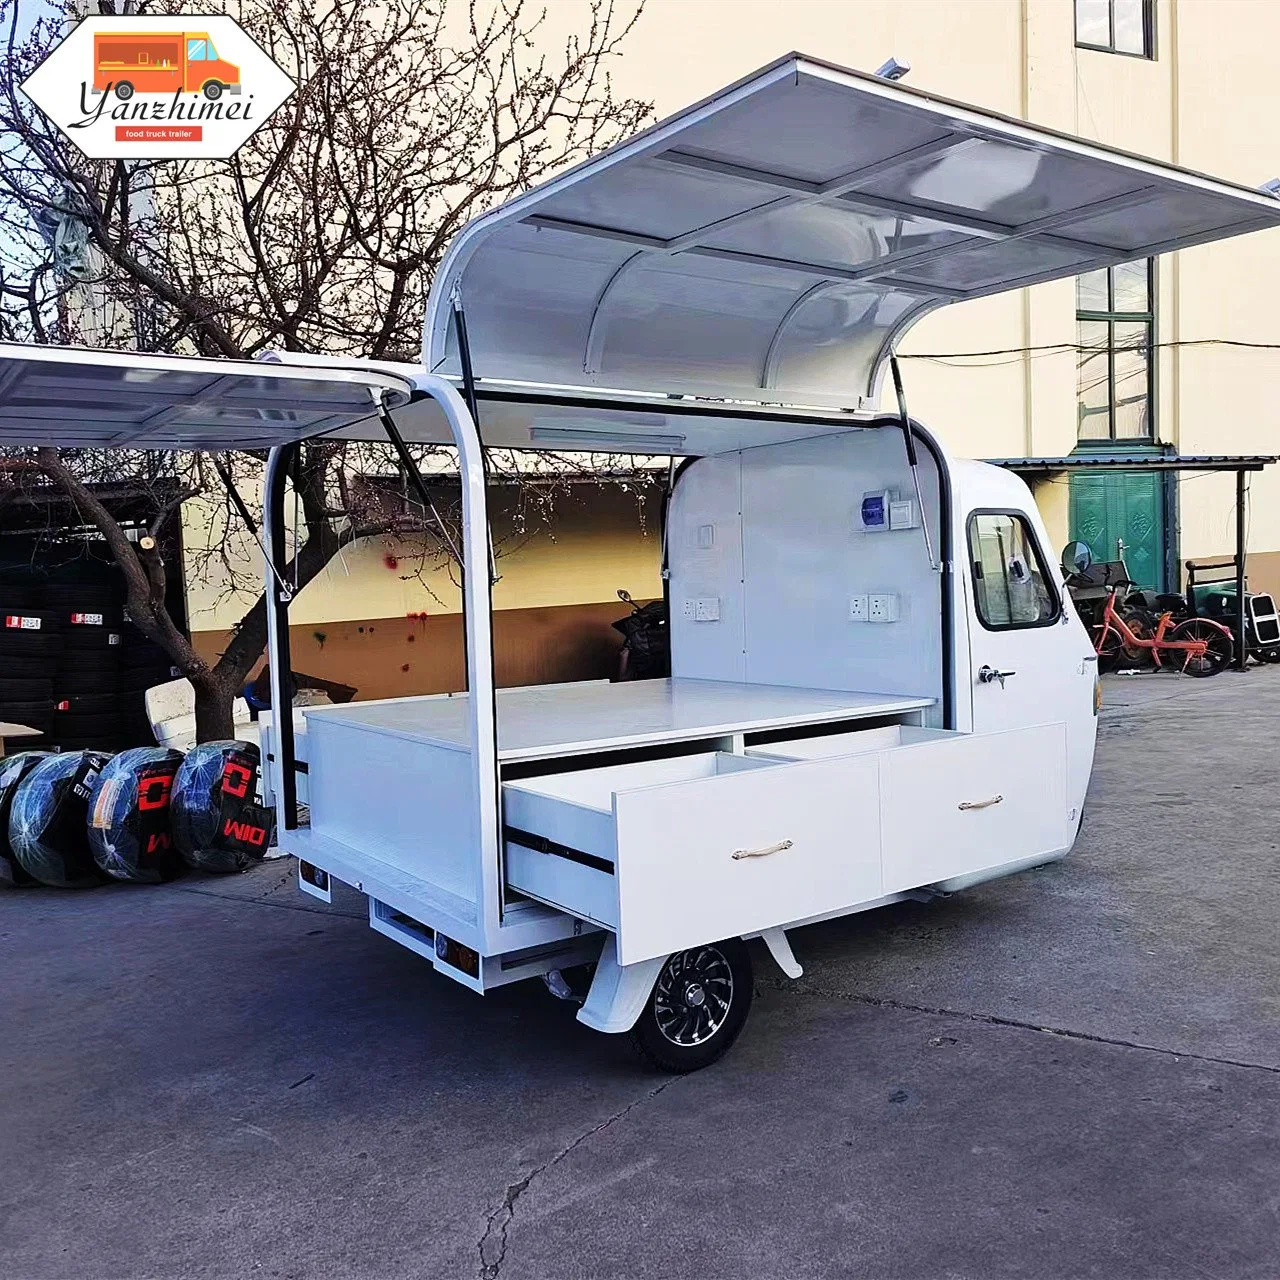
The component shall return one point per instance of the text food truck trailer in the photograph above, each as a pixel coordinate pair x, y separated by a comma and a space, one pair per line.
879, 688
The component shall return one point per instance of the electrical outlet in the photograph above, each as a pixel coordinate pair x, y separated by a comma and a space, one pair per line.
708, 609
689, 610
882, 608
857, 608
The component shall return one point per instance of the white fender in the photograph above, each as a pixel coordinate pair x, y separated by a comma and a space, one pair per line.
618, 991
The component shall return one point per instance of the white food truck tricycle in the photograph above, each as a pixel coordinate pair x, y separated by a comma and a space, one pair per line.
879, 688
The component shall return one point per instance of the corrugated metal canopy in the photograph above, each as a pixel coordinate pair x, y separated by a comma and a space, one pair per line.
1139, 462
83, 398
771, 242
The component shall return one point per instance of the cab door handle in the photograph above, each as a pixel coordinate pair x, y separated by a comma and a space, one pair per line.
989, 675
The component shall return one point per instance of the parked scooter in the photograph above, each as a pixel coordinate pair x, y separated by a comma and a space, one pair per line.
646, 642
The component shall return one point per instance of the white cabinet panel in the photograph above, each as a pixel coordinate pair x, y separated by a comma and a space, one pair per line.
973, 802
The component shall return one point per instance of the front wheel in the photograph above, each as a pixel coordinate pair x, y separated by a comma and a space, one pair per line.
213, 91
697, 1007
124, 91
1217, 657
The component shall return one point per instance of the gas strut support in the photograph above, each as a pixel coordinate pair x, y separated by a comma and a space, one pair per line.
415, 479
469, 395
909, 440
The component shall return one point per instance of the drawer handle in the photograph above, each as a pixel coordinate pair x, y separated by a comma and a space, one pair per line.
981, 804
738, 854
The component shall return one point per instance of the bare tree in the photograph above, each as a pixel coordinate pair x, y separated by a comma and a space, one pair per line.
321, 234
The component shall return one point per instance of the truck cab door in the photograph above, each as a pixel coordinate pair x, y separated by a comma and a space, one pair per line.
1031, 660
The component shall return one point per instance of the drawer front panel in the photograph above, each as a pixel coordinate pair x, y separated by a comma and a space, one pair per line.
806, 838
978, 801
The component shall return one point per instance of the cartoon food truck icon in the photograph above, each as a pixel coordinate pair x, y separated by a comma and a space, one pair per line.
161, 62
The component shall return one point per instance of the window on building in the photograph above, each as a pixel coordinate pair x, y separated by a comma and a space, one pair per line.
1115, 336
1010, 582
1117, 26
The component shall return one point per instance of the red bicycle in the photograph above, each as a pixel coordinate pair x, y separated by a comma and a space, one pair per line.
1206, 647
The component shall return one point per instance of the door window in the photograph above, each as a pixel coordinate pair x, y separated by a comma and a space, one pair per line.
1011, 586
195, 51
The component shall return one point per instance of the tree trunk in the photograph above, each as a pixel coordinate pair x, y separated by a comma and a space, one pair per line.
214, 710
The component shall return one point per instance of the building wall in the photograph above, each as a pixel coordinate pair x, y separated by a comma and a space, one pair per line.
1208, 101
387, 618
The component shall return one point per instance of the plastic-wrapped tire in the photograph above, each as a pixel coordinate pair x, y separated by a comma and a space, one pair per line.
217, 823
129, 831
12, 771
47, 824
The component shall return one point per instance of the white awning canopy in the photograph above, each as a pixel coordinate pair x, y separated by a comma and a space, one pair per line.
82, 398
772, 242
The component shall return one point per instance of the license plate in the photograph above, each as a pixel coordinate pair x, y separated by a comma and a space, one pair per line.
20, 623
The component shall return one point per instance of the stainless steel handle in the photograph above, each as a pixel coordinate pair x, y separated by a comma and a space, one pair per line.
738, 854
988, 675
980, 804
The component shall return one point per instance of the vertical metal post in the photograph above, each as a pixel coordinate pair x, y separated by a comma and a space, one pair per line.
278, 657
1242, 643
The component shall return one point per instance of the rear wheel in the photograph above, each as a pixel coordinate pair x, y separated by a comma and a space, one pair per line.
697, 1007
1217, 657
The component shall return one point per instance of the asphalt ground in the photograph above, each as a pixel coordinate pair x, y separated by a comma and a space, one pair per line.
1072, 1072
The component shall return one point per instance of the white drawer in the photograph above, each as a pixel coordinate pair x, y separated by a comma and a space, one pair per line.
703, 847
954, 807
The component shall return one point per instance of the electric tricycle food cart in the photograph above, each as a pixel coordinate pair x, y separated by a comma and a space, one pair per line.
878, 687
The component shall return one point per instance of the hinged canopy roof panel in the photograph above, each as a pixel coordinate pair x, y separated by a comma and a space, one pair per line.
82, 398
771, 242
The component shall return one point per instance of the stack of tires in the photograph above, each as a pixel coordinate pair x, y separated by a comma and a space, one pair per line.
30, 649
142, 666
85, 687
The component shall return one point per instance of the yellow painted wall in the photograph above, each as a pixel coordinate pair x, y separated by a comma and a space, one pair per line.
601, 538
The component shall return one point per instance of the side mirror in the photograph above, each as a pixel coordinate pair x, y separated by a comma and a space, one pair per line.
1076, 558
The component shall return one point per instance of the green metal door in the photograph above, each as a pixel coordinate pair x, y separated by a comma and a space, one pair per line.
1120, 514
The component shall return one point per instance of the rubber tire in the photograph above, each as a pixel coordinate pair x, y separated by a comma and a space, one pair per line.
29, 666
29, 689
649, 1042
124, 91
212, 91
96, 703
98, 724
35, 715
1221, 650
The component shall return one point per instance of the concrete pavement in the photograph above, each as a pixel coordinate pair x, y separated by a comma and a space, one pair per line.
1074, 1072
